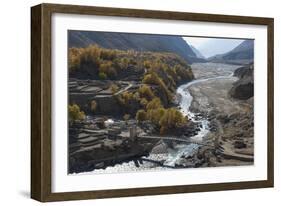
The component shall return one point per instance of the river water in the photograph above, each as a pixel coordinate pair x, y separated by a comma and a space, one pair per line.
175, 154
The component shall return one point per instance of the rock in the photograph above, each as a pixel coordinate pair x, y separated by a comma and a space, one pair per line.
244, 88
99, 165
239, 145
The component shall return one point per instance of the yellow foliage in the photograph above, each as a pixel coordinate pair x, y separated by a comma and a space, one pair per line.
141, 115
108, 69
143, 102
155, 103
74, 58
114, 88
171, 119
146, 92
75, 113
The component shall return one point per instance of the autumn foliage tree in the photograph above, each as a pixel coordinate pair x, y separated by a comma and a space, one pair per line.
75, 113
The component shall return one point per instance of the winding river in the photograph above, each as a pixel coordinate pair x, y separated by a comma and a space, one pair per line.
185, 103
174, 155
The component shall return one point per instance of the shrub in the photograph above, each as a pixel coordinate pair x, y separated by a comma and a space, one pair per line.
75, 113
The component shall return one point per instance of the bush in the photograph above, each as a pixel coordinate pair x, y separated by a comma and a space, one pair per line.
75, 113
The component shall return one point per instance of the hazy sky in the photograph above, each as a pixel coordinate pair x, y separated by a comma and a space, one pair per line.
212, 46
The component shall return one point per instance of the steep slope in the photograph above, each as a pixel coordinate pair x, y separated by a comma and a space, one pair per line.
243, 88
197, 52
215, 46
242, 54
138, 42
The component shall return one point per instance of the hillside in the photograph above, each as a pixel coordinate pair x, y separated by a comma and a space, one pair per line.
243, 88
197, 52
137, 42
242, 54
117, 72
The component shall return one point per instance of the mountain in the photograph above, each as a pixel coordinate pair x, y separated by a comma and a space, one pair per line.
197, 52
139, 42
242, 54
214, 46
243, 88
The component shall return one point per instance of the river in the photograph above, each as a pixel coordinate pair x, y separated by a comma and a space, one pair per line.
171, 158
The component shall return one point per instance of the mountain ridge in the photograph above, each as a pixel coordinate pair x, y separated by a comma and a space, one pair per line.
242, 54
139, 42
197, 52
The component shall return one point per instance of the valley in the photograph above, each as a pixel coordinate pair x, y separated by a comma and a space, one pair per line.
151, 102
215, 136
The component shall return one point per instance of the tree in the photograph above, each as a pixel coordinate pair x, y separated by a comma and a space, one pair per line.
94, 105
155, 103
114, 88
75, 113
141, 115
151, 78
126, 117
171, 119
146, 92
143, 102
107, 68
74, 58
102, 76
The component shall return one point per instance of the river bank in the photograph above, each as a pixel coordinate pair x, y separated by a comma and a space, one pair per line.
220, 131
231, 121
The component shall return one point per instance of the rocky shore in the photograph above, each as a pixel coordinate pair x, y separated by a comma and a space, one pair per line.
231, 122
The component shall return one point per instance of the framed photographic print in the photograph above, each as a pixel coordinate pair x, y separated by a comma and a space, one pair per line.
130, 102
